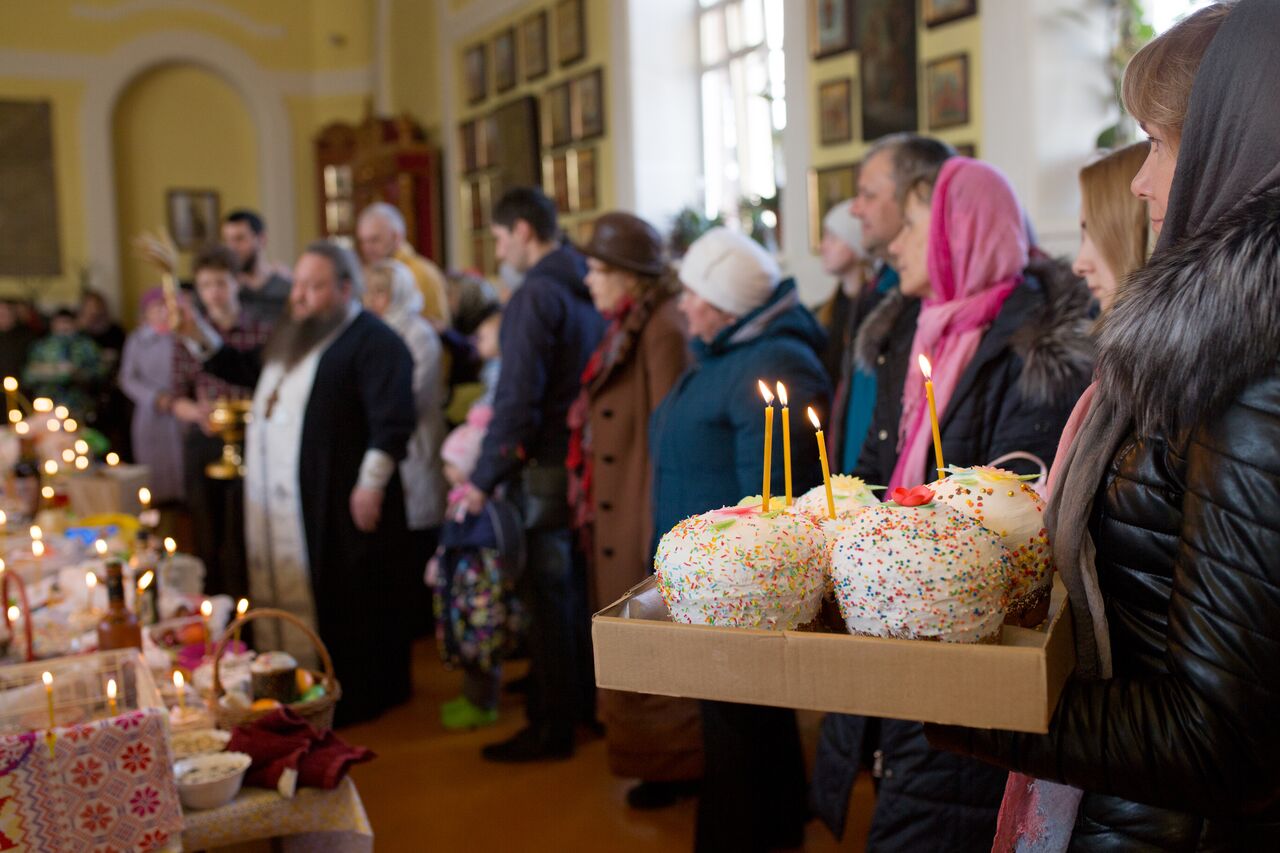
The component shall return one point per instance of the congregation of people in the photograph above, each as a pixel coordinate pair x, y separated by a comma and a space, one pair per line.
429, 450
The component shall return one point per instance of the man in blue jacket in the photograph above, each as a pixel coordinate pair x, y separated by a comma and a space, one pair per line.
549, 330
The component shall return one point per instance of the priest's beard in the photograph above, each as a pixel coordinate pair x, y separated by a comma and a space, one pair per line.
292, 339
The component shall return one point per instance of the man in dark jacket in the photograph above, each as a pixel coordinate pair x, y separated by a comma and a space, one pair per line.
549, 330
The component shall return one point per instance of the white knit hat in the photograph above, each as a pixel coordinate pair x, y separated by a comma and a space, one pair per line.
730, 270
846, 227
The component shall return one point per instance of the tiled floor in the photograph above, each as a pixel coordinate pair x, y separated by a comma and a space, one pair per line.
429, 790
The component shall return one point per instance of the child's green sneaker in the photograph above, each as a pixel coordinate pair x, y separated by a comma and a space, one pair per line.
458, 714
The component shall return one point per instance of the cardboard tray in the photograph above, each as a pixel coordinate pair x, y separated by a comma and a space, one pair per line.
1014, 685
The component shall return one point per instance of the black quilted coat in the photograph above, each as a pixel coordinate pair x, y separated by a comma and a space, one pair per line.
1180, 750
1031, 367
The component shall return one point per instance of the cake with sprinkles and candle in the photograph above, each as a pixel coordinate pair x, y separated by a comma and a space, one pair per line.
916, 568
851, 496
738, 567
1005, 504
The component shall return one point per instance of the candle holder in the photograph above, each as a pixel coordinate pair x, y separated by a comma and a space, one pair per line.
229, 418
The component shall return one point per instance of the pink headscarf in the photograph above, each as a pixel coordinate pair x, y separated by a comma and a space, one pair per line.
977, 249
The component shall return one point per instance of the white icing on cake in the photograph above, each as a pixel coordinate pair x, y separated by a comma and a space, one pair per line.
850, 495
739, 568
925, 572
1012, 510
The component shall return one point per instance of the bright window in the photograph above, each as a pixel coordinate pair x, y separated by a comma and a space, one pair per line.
743, 102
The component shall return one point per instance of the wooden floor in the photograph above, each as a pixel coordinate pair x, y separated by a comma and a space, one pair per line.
428, 790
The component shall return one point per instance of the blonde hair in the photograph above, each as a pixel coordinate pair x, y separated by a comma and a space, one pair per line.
1115, 218
1158, 79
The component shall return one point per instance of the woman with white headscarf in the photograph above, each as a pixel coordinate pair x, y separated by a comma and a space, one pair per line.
390, 293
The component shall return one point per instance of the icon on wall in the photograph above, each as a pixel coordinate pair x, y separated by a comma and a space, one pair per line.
587, 96
571, 31
826, 187
835, 111
194, 218
533, 46
945, 11
947, 82
475, 72
504, 60
830, 27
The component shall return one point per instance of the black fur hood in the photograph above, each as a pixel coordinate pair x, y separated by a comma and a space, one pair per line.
1054, 343
1191, 330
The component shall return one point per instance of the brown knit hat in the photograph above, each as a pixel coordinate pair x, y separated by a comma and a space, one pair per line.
626, 242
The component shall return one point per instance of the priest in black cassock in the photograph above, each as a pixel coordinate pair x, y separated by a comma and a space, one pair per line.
324, 513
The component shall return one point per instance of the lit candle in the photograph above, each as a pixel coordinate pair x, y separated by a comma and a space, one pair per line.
47, 678
111, 696
70, 425
143, 582
61, 413
113, 459
68, 456
82, 447
42, 405
242, 607
90, 584
144, 494
37, 549
206, 613
826, 469
82, 463
786, 439
14, 613
768, 444
36, 532
179, 684
10, 391
50, 467
15, 416
53, 425
170, 546
47, 493
21, 428
927, 370
101, 547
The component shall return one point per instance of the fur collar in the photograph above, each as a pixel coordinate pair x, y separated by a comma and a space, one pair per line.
1053, 344
1191, 330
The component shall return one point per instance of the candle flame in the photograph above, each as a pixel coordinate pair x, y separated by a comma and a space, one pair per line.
37, 548
765, 392
101, 547
61, 413
145, 581
813, 418
2, 567
82, 462
242, 606
14, 416
144, 494
926, 368
82, 446
90, 580
51, 467
36, 532
111, 688
4, 519
70, 425
68, 456
178, 681
47, 678
113, 458
42, 404
21, 428
206, 608
10, 384
15, 613
169, 545
53, 426
47, 493
782, 394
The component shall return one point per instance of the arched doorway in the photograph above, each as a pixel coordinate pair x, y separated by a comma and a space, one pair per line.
165, 151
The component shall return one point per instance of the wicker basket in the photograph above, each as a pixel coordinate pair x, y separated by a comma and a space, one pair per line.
317, 712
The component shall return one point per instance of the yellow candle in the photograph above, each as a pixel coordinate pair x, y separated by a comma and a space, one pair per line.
206, 613
111, 696
826, 469
90, 584
786, 439
242, 607
143, 583
927, 370
50, 737
768, 444
179, 684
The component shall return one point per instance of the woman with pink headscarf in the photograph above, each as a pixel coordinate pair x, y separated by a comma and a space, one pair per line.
1008, 340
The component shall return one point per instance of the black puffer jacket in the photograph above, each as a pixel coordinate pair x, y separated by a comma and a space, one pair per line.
1180, 750
1016, 394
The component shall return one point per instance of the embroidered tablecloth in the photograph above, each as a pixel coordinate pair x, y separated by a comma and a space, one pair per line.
108, 787
314, 821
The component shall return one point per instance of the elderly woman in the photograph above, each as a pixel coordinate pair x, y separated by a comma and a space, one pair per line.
392, 294
705, 440
1163, 517
146, 377
653, 738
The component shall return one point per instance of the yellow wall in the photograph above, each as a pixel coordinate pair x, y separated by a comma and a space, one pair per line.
415, 68
598, 38
214, 148
297, 37
963, 36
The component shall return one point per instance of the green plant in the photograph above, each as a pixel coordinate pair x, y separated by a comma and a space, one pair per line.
1132, 32
688, 225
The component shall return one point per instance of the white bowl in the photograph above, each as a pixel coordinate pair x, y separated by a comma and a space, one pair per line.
198, 742
210, 781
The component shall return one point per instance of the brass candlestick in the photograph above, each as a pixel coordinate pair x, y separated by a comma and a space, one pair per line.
229, 418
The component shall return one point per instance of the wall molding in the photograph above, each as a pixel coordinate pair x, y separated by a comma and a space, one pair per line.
135, 8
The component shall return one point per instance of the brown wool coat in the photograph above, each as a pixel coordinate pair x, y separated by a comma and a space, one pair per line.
653, 738
621, 401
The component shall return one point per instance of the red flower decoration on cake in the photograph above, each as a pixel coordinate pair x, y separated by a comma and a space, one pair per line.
914, 496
